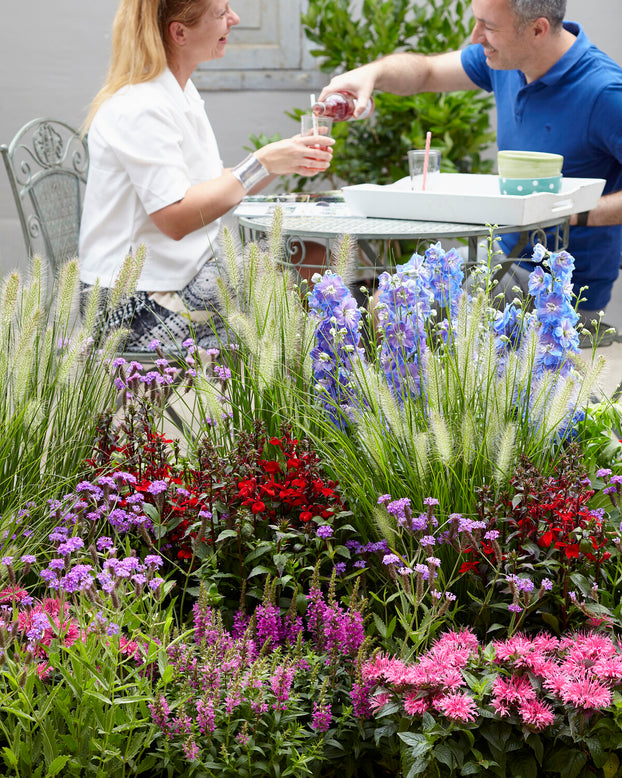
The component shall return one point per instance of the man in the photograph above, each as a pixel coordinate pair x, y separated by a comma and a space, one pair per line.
554, 92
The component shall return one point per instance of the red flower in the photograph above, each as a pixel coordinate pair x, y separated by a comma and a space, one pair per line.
572, 551
466, 566
546, 539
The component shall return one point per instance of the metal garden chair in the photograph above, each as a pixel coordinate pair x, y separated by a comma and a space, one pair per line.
47, 165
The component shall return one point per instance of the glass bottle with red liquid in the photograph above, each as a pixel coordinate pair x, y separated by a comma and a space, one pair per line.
340, 107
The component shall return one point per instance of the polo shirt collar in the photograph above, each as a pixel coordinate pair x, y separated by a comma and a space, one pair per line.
570, 58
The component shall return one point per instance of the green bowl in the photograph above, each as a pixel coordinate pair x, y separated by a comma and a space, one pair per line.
527, 186
529, 164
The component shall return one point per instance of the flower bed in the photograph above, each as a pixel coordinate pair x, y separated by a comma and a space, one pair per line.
398, 558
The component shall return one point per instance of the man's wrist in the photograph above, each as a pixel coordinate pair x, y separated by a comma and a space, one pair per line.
250, 172
582, 218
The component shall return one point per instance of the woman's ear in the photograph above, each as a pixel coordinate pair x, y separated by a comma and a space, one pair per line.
177, 32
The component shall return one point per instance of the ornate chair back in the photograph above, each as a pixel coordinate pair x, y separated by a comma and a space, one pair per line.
47, 164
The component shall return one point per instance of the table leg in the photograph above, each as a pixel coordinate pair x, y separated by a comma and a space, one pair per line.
473, 247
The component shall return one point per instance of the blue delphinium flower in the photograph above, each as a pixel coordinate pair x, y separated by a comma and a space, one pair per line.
405, 303
337, 344
508, 328
554, 313
446, 276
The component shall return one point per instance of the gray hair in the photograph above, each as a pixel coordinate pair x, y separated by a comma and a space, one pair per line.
529, 10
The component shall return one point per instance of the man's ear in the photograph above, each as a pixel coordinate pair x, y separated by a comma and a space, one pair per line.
541, 27
177, 32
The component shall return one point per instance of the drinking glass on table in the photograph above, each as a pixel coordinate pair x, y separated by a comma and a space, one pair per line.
416, 165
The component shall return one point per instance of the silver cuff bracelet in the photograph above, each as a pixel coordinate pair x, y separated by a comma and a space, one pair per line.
250, 172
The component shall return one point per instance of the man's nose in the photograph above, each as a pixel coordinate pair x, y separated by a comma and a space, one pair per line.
477, 36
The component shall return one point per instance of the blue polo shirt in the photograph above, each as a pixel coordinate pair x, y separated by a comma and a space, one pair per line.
574, 109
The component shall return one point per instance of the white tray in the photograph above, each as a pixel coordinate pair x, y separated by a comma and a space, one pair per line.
471, 199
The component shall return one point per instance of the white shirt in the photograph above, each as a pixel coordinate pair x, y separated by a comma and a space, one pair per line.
148, 144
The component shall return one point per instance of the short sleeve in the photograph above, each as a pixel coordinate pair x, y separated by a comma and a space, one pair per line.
147, 144
606, 121
474, 64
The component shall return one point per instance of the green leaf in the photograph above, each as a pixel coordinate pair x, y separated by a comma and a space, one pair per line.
535, 742
380, 625
417, 767
442, 753
470, 768
610, 768
57, 765
260, 550
568, 762
418, 745
259, 570
523, 766
226, 533
98, 696
9, 757
551, 620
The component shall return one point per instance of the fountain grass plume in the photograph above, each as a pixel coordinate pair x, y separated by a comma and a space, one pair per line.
53, 387
386, 524
66, 299
8, 301
267, 365
127, 277
232, 251
343, 259
264, 311
468, 449
506, 455
275, 238
441, 439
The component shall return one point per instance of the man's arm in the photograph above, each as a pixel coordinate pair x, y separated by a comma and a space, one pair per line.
405, 73
607, 211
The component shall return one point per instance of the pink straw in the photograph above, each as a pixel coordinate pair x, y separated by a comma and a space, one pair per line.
428, 140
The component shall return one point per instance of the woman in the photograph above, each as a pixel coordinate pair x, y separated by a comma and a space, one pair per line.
155, 174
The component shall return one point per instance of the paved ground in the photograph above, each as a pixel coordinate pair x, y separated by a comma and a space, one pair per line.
613, 353
612, 375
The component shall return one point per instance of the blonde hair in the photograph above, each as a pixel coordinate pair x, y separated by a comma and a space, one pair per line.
141, 43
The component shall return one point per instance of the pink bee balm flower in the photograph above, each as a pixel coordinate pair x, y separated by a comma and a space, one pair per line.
458, 706
375, 668
608, 669
536, 714
515, 690
415, 705
458, 639
379, 700
586, 694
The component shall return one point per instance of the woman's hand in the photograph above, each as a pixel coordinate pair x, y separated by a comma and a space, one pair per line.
305, 155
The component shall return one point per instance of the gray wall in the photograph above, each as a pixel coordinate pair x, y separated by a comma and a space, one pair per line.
53, 57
